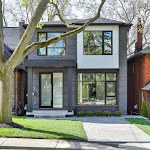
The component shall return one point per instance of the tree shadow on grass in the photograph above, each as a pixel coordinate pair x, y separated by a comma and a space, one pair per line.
62, 135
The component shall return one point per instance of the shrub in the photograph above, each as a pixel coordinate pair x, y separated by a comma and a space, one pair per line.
107, 113
89, 113
117, 113
98, 113
144, 111
81, 113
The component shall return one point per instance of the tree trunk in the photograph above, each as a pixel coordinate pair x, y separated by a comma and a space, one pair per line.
5, 96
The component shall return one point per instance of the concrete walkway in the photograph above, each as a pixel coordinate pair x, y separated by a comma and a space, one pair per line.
116, 130
112, 129
102, 132
46, 144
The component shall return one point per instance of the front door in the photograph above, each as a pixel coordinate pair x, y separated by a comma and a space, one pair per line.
51, 90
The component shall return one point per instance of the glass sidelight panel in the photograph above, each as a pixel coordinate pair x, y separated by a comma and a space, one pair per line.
46, 90
57, 90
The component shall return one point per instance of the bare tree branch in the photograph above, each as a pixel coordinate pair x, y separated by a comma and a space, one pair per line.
17, 55
131, 43
124, 10
37, 45
63, 21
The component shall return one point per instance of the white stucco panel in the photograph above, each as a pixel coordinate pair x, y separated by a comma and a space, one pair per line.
99, 61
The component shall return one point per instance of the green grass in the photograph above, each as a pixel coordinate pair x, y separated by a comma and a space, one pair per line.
140, 123
46, 128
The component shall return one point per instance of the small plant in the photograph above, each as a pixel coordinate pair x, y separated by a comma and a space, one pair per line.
144, 111
89, 113
117, 113
107, 113
98, 113
81, 113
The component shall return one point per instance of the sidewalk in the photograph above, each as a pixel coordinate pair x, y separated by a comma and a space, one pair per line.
45, 144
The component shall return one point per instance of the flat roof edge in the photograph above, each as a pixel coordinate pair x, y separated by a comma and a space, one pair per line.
92, 24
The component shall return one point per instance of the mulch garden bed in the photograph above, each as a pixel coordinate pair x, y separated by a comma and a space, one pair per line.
11, 125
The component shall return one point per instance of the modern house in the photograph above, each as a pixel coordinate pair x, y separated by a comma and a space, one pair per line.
138, 75
19, 89
87, 71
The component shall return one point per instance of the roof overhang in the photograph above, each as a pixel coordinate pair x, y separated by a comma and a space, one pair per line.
7, 53
147, 87
49, 63
92, 24
130, 58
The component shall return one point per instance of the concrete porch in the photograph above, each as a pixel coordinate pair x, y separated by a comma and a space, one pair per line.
50, 113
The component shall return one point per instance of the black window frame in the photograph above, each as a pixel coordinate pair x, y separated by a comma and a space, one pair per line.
105, 86
102, 41
40, 95
47, 47
52, 84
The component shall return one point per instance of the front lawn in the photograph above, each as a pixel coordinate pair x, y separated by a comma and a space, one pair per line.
46, 128
140, 123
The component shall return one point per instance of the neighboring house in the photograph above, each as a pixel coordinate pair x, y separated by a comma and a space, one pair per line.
87, 71
138, 76
19, 90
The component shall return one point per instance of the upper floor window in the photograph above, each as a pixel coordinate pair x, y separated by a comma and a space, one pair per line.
97, 43
53, 49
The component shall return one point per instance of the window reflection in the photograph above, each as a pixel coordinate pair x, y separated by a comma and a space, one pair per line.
57, 48
97, 88
107, 43
97, 43
42, 37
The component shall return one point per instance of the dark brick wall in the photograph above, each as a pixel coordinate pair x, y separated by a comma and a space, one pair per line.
122, 84
94, 108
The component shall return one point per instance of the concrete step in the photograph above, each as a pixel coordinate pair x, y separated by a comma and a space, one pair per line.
50, 113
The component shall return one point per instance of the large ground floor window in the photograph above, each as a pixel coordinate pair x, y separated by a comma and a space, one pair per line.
97, 88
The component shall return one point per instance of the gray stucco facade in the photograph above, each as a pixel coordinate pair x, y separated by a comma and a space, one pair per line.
70, 74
